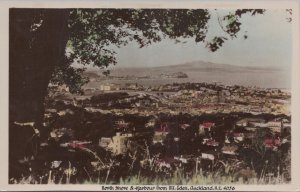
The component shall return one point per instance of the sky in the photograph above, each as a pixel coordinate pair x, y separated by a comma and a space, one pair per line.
269, 44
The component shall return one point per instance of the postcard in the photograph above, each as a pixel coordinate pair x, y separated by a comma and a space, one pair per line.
150, 95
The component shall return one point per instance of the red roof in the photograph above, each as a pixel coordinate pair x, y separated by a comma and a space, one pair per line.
272, 142
164, 127
207, 125
212, 142
76, 145
268, 143
121, 125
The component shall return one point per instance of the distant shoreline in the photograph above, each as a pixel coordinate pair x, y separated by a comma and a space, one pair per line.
201, 71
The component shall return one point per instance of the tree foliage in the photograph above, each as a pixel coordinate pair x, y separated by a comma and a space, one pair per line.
95, 33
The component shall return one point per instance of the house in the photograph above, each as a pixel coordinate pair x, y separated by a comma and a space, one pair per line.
165, 163
242, 122
251, 128
286, 123
275, 125
120, 143
150, 123
104, 142
272, 143
206, 126
184, 126
286, 126
158, 138
62, 134
227, 139
161, 132
163, 129
277, 141
183, 158
268, 143
238, 137
63, 88
109, 87
209, 155
251, 122
210, 142
132, 86
257, 123
76, 144
65, 112
79, 144
229, 149
121, 125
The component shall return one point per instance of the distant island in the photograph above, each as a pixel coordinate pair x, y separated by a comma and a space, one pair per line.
194, 72
174, 75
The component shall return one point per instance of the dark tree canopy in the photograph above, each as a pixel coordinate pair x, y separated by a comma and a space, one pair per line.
93, 33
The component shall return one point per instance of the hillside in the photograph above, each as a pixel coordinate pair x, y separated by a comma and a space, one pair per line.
198, 66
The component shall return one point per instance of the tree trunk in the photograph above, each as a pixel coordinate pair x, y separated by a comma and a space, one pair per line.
32, 58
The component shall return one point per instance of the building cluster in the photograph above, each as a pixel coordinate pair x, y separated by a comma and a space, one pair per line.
186, 144
196, 99
262, 121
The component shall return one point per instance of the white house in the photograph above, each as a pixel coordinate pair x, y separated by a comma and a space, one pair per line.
120, 144
109, 87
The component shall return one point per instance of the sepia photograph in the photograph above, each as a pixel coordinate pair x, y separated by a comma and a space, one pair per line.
158, 98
